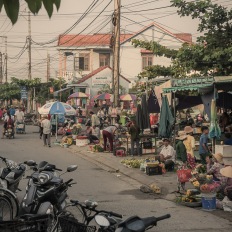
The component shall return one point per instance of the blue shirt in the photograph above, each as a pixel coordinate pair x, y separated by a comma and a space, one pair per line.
12, 111
203, 140
228, 141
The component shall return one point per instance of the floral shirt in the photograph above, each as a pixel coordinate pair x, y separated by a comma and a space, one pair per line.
190, 144
215, 171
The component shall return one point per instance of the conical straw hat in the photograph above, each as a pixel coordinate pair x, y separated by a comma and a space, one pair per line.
227, 171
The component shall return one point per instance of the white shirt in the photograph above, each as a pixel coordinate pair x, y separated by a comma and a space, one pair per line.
96, 132
19, 116
46, 124
168, 151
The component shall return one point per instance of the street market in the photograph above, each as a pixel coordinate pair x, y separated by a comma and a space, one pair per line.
117, 118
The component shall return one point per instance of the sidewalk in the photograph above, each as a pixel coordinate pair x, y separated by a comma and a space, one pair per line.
167, 182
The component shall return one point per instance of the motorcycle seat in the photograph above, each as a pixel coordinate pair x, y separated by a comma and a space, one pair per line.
31, 217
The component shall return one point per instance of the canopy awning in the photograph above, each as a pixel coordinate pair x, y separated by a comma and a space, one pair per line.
202, 89
223, 83
61, 90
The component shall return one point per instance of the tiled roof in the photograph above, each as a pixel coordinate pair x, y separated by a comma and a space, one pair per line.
96, 72
88, 40
179, 36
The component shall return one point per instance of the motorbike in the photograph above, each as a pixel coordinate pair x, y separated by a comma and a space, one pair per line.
106, 221
11, 175
9, 132
42, 196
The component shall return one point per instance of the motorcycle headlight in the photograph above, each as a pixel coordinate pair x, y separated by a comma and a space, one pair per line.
43, 178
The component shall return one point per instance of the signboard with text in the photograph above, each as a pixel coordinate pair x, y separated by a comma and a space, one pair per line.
99, 82
23, 93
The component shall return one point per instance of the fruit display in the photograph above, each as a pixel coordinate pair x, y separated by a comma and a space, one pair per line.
132, 163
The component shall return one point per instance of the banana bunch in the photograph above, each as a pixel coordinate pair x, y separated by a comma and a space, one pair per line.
133, 163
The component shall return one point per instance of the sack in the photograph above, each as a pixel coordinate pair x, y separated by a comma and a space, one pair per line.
184, 175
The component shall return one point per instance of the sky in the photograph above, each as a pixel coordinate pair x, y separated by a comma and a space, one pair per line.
136, 14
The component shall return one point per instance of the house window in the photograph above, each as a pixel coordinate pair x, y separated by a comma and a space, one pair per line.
104, 59
147, 60
82, 62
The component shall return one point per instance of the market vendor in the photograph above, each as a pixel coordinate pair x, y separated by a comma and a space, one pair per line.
214, 169
227, 172
181, 153
108, 134
189, 143
167, 155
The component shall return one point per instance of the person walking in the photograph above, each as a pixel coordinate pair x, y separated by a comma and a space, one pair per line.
94, 119
108, 134
134, 132
46, 125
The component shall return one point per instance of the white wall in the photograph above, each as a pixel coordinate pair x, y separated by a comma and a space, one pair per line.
105, 76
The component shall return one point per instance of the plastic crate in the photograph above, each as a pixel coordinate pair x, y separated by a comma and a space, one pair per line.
71, 224
150, 171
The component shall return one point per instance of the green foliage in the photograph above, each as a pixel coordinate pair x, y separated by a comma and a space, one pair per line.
12, 7
212, 54
156, 71
157, 49
9, 91
106, 89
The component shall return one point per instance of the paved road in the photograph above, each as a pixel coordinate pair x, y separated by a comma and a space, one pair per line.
112, 193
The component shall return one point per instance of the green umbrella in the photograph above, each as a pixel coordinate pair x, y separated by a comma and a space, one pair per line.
166, 120
214, 130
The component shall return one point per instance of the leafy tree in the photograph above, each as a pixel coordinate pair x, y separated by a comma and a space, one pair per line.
12, 7
107, 89
212, 51
9, 91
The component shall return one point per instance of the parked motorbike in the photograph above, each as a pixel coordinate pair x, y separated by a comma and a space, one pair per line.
9, 132
11, 175
106, 221
46, 190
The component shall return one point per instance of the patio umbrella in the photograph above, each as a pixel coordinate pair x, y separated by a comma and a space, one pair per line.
214, 131
104, 96
146, 121
128, 97
78, 95
166, 120
55, 108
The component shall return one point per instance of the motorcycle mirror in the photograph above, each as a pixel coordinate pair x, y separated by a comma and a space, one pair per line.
30, 163
71, 168
102, 220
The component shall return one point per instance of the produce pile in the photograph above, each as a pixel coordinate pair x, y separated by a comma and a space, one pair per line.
136, 163
132, 163
191, 198
204, 182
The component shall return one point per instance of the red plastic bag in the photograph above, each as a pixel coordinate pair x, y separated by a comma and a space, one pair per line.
184, 175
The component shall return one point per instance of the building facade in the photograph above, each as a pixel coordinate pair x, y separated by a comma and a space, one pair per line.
81, 55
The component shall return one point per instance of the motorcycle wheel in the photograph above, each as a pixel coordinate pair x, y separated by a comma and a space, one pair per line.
6, 209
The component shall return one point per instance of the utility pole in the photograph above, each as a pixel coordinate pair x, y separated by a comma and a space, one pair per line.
29, 94
6, 59
116, 51
29, 45
48, 67
1, 76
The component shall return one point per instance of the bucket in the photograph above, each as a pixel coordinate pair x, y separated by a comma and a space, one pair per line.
208, 202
